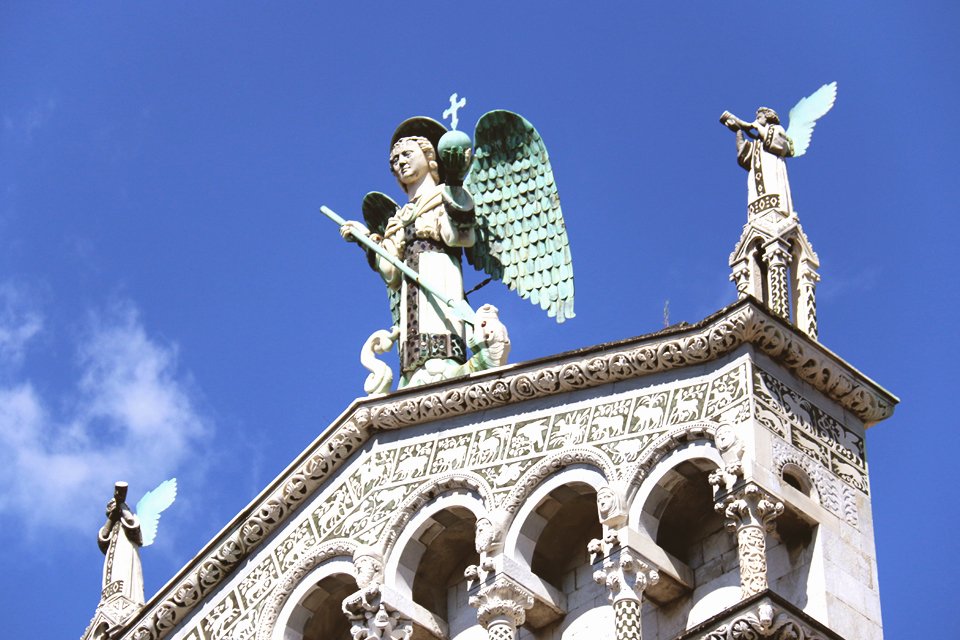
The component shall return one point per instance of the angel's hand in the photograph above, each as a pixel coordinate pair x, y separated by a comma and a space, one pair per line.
455, 153
352, 229
456, 161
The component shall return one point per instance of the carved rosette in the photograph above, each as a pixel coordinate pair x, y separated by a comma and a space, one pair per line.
373, 619
749, 512
501, 607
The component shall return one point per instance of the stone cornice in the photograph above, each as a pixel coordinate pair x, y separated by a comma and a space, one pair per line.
745, 322
764, 615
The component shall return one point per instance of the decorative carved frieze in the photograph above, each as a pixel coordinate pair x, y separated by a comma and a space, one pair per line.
503, 462
749, 512
766, 616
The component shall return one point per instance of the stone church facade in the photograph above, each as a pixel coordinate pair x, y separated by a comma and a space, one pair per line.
707, 481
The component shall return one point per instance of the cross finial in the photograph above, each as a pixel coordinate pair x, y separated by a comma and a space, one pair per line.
455, 105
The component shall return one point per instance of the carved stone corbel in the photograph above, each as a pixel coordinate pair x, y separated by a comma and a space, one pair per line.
371, 618
749, 512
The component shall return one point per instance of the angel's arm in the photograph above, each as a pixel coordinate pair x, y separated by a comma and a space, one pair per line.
775, 141
458, 227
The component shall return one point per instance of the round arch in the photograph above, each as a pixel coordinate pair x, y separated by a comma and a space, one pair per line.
434, 547
312, 610
550, 530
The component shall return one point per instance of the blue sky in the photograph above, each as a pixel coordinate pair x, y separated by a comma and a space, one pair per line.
172, 302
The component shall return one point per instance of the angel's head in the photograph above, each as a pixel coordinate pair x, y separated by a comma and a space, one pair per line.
413, 158
766, 115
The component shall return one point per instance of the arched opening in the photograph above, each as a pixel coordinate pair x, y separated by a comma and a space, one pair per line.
797, 478
429, 557
569, 515
679, 511
448, 548
313, 611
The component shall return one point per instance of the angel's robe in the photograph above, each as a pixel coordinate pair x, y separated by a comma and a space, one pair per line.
120, 540
429, 240
767, 184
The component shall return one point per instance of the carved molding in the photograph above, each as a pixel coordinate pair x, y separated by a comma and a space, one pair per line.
306, 564
764, 621
744, 322
430, 490
832, 494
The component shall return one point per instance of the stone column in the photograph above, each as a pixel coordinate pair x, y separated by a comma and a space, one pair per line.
749, 512
807, 278
777, 256
501, 607
626, 578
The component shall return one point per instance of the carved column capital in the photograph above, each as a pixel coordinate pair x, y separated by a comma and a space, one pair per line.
749, 505
624, 574
749, 512
501, 601
740, 276
371, 618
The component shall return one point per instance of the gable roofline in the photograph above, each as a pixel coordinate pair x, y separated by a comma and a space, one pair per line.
743, 322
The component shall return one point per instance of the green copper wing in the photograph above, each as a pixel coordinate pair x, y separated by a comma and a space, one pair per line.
521, 237
377, 209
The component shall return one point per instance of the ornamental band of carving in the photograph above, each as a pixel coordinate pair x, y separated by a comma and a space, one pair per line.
742, 323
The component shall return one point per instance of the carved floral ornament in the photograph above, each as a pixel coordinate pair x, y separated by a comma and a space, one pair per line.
764, 620
744, 322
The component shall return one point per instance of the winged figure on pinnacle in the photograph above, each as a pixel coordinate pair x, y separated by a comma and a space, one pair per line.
763, 155
497, 204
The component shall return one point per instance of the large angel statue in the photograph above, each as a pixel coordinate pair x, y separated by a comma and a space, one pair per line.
769, 144
120, 539
499, 206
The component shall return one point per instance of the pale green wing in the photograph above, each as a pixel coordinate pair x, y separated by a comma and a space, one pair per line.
521, 237
377, 209
805, 114
151, 505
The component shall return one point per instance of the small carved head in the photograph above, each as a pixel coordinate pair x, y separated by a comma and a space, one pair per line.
368, 565
609, 504
766, 115
485, 535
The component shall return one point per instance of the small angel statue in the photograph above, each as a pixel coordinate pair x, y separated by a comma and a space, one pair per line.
763, 155
125, 532
498, 205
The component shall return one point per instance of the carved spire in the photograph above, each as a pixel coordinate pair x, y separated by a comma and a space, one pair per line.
774, 261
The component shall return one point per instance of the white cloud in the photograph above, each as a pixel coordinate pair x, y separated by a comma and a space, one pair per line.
131, 416
26, 123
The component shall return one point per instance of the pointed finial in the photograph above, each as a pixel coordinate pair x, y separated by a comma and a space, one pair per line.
455, 105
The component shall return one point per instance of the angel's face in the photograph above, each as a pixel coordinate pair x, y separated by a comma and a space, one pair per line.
408, 162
